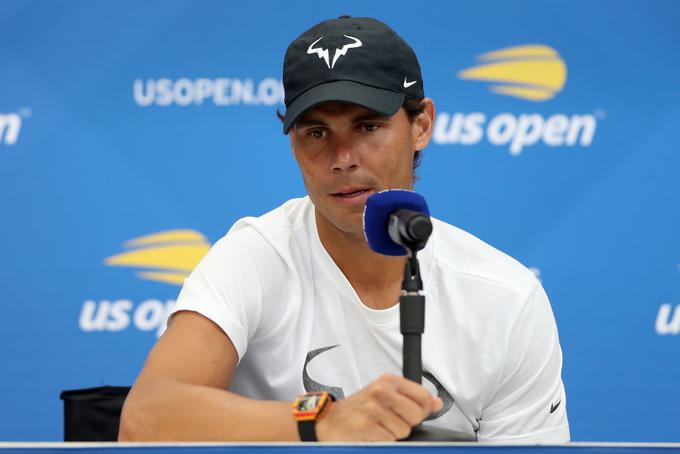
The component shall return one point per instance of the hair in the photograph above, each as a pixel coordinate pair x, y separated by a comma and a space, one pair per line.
413, 108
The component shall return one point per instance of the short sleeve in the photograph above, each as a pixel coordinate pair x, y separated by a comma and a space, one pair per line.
529, 406
225, 287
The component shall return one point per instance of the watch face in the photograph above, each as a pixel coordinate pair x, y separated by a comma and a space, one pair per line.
310, 406
308, 403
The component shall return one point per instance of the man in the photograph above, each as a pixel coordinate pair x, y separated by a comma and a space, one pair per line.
295, 301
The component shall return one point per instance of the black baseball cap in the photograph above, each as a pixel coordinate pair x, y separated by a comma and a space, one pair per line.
359, 60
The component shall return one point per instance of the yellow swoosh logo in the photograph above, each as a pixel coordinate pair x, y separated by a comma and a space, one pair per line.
167, 256
534, 72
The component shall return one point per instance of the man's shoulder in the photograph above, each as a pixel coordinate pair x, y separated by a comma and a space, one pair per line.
271, 234
468, 256
292, 215
266, 246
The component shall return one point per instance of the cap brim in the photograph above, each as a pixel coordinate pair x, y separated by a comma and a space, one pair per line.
384, 102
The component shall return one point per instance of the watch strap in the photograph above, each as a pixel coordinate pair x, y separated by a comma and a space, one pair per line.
307, 430
307, 425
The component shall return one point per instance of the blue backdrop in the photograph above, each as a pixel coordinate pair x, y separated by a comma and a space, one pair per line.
133, 134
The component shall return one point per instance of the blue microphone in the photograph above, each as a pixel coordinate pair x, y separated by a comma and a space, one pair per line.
396, 220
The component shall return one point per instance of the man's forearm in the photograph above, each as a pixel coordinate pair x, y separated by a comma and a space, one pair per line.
169, 410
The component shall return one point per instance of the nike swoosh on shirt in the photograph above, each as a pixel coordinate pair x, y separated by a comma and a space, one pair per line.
338, 393
442, 393
408, 84
553, 407
313, 386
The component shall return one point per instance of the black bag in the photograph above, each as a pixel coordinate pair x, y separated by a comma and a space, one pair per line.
93, 414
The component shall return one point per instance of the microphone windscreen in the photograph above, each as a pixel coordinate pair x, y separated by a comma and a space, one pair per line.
377, 211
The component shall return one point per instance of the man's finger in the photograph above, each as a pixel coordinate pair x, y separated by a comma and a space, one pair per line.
385, 415
378, 433
415, 392
409, 410
437, 404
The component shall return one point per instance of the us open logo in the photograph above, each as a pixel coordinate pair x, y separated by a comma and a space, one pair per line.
10, 126
166, 257
668, 320
532, 73
219, 91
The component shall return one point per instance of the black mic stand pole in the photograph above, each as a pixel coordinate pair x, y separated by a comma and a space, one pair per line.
412, 324
412, 318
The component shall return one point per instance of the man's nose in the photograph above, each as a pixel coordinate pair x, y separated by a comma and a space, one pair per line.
344, 156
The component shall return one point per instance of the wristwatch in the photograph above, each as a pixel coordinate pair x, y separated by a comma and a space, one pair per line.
308, 409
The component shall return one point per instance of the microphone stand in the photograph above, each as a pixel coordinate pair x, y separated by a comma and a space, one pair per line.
412, 323
412, 317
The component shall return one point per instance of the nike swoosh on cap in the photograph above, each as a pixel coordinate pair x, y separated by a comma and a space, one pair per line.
408, 84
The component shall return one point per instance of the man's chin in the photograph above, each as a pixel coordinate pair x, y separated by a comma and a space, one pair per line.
346, 222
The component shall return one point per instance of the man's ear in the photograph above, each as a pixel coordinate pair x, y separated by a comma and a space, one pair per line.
423, 125
291, 137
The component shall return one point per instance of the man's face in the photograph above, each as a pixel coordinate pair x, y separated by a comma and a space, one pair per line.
347, 152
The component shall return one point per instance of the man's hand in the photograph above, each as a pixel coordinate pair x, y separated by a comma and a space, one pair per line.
385, 410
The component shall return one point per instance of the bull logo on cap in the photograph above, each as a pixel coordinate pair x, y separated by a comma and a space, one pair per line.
323, 53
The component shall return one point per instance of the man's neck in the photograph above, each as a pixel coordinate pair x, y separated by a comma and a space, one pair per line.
376, 278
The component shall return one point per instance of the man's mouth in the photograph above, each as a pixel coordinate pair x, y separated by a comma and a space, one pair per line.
350, 192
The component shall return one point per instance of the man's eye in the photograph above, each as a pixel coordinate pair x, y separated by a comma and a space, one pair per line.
316, 133
370, 127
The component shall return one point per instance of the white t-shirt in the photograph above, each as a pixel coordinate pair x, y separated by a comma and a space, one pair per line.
490, 348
